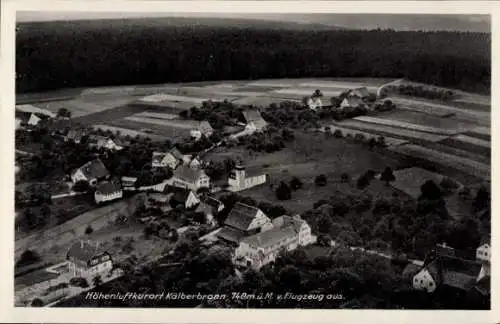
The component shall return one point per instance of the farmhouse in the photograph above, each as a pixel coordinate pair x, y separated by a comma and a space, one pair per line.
240, 180
287, 233
203, 128
352, 102
75, 135
483, 252
314, 103
449, 271
243, 221
87, 260
193, 179
91, 172
254, 120
108, 191
184, 198
103, 142
361, 93
171, 159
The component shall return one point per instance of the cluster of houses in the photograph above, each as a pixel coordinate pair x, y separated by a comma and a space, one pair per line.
253, 123
355, 98
445, 267
257, 240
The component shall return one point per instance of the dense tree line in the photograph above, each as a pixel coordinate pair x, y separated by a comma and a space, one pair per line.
51, 55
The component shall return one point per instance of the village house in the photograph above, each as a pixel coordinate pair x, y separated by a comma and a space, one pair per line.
361, 93
243, 221
352, 102
27, 119
182, 197
92, 172
239, 179
254, 120
194, 162
108, 191
314, 103
483, 251
169, 159
216, 204
443, 267
193, 179
203, 128
209, 207
75, 135
128, 181
88, 259
103, 142
287, 233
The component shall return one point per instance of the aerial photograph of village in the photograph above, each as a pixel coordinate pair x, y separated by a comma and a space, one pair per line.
311, 161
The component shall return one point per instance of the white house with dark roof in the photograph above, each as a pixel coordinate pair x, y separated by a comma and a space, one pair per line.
352, 102
239, 179
172, 159
287, 233
243, 221
92, 172
254, 120
104, 142
183, 197
314, 103
189, 178
450, 271
108, 191
202, 128
87, 259
483, 252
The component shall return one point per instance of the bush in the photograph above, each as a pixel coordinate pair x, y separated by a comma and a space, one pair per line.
345, 177
89, 230
283, 192
448, 185
338, 133
37, 302
28, 257
320, 180
296, 184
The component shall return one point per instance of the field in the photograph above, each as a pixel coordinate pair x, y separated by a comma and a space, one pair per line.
309, 155
466, 165
448, 123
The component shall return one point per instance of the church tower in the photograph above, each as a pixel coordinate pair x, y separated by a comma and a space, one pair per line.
236, 179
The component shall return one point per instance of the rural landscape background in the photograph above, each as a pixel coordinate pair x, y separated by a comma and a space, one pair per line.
381, 184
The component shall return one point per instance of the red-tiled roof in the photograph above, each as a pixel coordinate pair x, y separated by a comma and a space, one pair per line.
241, 216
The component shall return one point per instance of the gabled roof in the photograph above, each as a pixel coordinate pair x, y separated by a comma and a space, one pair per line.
215, 203
204, 126
241, 216
180, 194
188, 174
108, 187
231, 234
285, 221
85, 251
94, 169
363, 92
176, 153
454, 272
254, 116
354, 101
271, 237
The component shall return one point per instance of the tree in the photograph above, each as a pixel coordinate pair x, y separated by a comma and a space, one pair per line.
89, 230
283, 192
345, 177
64, 112
97, 281
482, 199
28, 257
338, 133
359, 138
387, 176
37, 302
448, 185
295, 183
320, 180
81, 186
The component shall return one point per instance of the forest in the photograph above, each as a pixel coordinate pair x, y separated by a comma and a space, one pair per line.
58, 55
